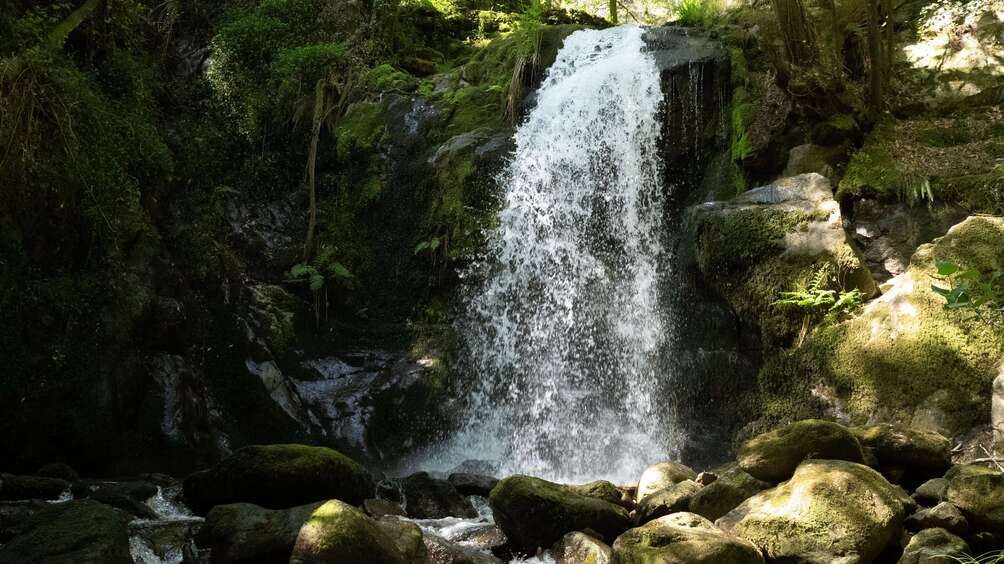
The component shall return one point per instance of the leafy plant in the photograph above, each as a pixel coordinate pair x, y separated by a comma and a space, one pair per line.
319, 275
819, 300
969, 289
993, 557
699, 13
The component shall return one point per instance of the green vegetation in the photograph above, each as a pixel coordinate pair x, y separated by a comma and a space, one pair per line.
969, 289
698, 13
992, 557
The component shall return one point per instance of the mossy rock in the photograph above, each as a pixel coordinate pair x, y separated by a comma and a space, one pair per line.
18, 488
920, 454
732, 487
580, 548
683, 537
535, 513
932, 546
979, 493
71, 533
279, 476
662, 475
244, 532
904, 346
430, 498
829, 511
600, 489
672, 499
337, 532
774, 456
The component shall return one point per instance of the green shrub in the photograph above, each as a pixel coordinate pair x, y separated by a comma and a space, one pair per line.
698, 13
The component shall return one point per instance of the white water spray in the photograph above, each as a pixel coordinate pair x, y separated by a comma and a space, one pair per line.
563, 324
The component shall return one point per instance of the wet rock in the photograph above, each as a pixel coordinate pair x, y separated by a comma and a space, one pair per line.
942, 516
407, 536
278, 476
732, 487
71, 533
934, 546
486, 537
919, 455
18, 488
683, 537
773, 456
15, 516
535, 513
660, 476
164, 541
473, 484
119, 500
829, 511
243, 532
137, 490
337, 532
706, 478
377, 508
931, 492
477, 467
577, 548
804, 159
979, 493
59, 471
442, 551
429, 498
600, 489
668, 500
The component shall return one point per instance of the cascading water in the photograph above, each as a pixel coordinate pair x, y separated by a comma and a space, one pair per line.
564, 324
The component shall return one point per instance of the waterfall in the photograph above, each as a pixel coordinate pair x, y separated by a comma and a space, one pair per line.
563, 324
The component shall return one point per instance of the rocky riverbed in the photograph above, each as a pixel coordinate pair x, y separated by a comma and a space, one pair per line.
813, 491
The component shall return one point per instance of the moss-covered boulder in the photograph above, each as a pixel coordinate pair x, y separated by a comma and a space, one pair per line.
773, 456
600, 489
979, 493
683, 538
17, 488
535, 513
430, 498
660, 476
935, 546
244, 532
580, 548
917, 454
279, 476
829, 511
671, 499
337, 532
732, 487
71, 533
904, 346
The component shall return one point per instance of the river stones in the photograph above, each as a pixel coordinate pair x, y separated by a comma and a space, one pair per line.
473, 484
579, 548
600, 489
71, 533
667, 500
443, 551
773, 457
683, 538
535, 513
429, 498
931, 492
979, 493
244, 532
20, 488
662, 475
277, 477
829, 511
916, 454
732, 487
337, 533
934, 546
15, 517
942, 516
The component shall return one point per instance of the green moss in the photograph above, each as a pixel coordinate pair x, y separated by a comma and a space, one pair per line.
475, 107
943, 136
384, 78
362, 128
874, 170
734, 241
338, 532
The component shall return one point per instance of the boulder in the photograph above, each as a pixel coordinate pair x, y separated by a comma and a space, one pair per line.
535, 513
934, 546
931, 492
942, 516
672, 499
407, 538
16, 515
277, 477
156, 542
661, 475
243, 532
947, 411
919, 454
119, 500
486, 537
58, 470
377, 508
773, 457
428, 498
979, 493
808, 158
732, 487
600, 489
579, 548
338, 533
473, 484
442, 551
683, 538
71, 533
829, 511
20, 488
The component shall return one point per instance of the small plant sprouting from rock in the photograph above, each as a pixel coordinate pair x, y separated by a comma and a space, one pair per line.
969, 289
318, 276
819, 300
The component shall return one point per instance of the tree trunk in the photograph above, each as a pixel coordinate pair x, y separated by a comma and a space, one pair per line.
55, 39
320, 96
890, 40
876, 59
836, 39
613, 11
796, 31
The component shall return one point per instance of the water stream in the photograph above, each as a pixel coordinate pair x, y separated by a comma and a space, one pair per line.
563, 323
